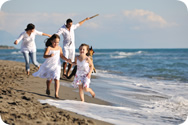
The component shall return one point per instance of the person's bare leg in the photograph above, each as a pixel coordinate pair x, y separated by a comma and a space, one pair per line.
56, 88
81, 92
64, 68
48, 82
90, 91
28, 73
69, 68
73, 73
38, 67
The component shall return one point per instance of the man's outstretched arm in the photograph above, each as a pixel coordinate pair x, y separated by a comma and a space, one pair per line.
81, 22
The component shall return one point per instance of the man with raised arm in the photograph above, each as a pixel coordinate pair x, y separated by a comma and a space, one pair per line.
67, 30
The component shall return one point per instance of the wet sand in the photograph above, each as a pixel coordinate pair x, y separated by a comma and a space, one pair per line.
19, 95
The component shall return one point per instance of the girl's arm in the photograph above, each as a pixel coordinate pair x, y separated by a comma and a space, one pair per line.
75, 63
63, 57
46, 55
91, 67
44, 34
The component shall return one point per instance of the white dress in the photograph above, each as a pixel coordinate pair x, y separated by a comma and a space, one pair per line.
51, 68
81, 74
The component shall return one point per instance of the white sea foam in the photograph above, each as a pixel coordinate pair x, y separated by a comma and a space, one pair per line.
137, 101
170, 96
118, 55
120, 115
111, 114
173, 104
166, 87
16, 52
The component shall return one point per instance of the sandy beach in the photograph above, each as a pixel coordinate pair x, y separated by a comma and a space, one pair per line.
19, 95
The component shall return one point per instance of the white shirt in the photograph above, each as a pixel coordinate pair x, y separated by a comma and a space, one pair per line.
28, 43
68, 36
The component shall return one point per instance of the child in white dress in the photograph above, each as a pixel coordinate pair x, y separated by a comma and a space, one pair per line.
51, 68
83, 73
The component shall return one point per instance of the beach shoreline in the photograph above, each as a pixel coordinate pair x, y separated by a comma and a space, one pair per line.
20, 95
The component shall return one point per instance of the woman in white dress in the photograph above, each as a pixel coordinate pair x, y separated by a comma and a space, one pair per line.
83, 73
51, 68
28, 47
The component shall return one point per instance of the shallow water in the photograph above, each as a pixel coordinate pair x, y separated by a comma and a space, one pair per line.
136, 101
145, 86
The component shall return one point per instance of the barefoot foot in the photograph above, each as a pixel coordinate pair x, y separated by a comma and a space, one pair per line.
28, 73
65, 76
56, 96
93, 95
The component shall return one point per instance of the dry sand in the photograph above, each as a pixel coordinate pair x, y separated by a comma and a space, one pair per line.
19, 96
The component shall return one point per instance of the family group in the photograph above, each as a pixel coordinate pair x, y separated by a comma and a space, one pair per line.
51, 67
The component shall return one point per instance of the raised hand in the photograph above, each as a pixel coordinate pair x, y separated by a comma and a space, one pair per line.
16, 42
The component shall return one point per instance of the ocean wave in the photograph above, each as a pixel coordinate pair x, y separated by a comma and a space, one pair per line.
16, 52
157, 96
169, 76
118, 55
109, 73
135, 99
178, 64
176, 106
40, 53
111, 114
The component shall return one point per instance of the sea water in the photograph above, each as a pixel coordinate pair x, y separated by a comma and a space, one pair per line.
145, 86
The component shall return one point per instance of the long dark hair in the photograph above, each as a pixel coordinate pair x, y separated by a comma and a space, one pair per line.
49, 40
30, 26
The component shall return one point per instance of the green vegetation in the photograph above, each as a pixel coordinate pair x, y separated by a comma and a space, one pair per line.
6, 47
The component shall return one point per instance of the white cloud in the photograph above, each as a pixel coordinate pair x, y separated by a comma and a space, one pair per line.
16, 22
91, 25
109, 16
147, 19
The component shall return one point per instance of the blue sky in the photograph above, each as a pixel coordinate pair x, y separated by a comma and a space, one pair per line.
120, 24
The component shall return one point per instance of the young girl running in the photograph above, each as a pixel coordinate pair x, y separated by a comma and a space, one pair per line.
83, 73
51, 68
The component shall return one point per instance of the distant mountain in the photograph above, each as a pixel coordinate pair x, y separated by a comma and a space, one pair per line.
6, 38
